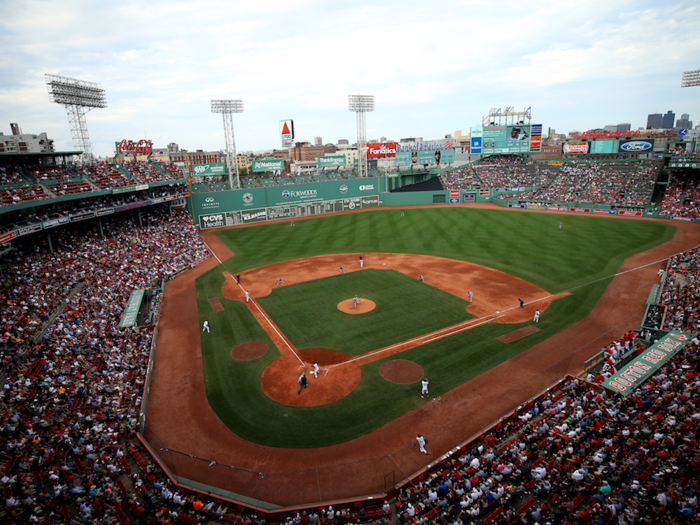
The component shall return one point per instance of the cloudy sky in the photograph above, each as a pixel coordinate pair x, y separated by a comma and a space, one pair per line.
433, 68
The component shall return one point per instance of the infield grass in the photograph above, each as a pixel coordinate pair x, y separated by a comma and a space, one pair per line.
581, 257
307, 312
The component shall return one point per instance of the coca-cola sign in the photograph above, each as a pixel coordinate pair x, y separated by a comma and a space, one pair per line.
129, 147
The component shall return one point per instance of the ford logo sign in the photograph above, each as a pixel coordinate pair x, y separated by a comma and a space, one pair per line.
636, 146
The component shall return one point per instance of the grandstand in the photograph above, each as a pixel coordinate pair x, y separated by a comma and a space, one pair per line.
74, 380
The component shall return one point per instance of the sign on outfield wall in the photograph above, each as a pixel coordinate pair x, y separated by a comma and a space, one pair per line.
132, 309
268, 165
634, 373
209, 170
576, 147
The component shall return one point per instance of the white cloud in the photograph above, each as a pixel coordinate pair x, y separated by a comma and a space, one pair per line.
432, 68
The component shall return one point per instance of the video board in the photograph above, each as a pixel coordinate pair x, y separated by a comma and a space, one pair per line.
419, 158
520, 138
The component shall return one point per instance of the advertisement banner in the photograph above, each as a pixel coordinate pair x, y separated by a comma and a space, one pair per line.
476, 139
105, 211
209, 170
128, 189
385, 149
536, 137
632, 213
331, 161
82, 216
214, 220
454, 193
633, 374
636, 146
132, 309
557, 208
268, 165
469, 197
577, 147
287, 133
423, 146
129, 206
55, 222
7, 237
26, 230
580, 210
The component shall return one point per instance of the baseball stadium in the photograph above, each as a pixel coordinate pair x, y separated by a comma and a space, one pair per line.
485, 340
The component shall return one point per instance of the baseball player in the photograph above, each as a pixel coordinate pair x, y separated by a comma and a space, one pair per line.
402, 214
421, 443
424, 388
471, 296
560, 226
280, 282
247, 296
292, 223
362, 262
521, 303
302, 382
537, 316
316, 370
340, 270
355, 302
205, 327
420, 277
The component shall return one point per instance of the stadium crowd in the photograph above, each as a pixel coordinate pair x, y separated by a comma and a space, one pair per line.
680, 294
74, 379
578, 455
682, 198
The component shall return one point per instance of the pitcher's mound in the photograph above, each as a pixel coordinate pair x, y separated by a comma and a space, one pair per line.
401, 371
249, 351
280, 378
364, 306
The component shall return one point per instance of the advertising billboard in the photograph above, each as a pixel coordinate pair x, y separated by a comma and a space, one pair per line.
268, 165
385, 149
287, 133
636, 146
577, 147
476, 139
209, 170
520, 138
331, 161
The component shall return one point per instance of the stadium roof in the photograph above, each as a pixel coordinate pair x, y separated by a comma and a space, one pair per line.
40, 154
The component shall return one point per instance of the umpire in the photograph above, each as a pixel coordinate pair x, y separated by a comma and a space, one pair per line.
302, 382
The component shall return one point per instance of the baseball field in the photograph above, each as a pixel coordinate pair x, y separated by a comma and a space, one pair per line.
224, 410
560, 271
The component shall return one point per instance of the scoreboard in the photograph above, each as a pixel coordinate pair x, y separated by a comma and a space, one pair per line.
520, 138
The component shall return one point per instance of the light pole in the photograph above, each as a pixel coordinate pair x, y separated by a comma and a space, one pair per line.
361, 104
227, 108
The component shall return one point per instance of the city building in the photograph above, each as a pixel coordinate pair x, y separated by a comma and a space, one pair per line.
345, 142
306, 152
318, 141
624, 127
197, 157
668, 120
684, 122
654, 121
20, 142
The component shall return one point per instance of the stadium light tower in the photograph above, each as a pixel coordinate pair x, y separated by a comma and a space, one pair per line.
691, 79
78, 97
361, 104
227, 108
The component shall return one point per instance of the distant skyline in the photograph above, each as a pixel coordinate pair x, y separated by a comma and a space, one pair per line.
433, 69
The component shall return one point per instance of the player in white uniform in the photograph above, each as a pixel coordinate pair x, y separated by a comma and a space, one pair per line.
247, 296
424, 388
537, 316
316, 370
355, 302
421, 443
471, 296
205, 326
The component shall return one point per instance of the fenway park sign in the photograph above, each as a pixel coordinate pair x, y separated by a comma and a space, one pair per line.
608, 134
129, 147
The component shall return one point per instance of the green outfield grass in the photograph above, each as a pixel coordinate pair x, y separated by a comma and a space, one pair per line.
307, 313
581, 256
